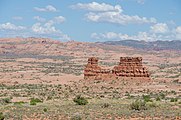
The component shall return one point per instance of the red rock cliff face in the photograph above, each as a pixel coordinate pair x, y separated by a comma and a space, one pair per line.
92, 69
128, 67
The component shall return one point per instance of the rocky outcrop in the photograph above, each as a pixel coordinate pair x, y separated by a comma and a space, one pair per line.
92, 69
128, 67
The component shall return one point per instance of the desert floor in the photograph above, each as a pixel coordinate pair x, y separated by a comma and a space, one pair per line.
52, 72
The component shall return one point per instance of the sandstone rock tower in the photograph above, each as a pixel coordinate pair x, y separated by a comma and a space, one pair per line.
128, 67
92, 69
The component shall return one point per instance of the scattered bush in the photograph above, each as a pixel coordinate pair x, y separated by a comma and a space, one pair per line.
147, 98
162, 95
19, 103
105, 105
45, 109
80, 100
127, 93
158, 98
34, 101
173, 100
76, 117
176, 81
5, 100
173, 92
1, 116
138, 105
49, 98
152, 104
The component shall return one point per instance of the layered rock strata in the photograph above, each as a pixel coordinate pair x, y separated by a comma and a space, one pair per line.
128, 67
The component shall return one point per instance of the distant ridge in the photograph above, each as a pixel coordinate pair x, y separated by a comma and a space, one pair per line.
155, 45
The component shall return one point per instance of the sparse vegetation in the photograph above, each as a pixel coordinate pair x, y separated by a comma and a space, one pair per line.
34, 101
45, 109
138, 105
80, 100
19, 103
158, 98
105, 105
5, 100
152, 104
147, 98
100, 99
173, 99
77, 116
1, 116
162, 95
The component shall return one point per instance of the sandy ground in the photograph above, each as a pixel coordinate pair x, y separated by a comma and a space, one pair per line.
45, 61
41, 61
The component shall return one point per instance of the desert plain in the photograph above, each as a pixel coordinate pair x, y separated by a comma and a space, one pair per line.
52, 72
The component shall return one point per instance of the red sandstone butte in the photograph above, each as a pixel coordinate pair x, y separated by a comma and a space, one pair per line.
128, 67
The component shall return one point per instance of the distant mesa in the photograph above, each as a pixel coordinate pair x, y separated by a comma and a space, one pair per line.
128, 67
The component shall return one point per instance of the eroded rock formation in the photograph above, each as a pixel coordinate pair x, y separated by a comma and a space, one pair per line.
128, 67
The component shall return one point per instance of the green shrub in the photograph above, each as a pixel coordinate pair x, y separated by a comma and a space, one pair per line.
173, 92
162, 95
49, 98
34, 101
1, 116
80, 100
45, 109
138, 105
19, 103
158, 98
147, 98
152, 104
5, 100
105, 105
173, 100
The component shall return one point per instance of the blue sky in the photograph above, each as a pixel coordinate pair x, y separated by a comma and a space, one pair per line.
91, 20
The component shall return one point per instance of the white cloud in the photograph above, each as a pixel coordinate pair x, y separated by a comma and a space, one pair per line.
46, 29
59, 19
110, 36
178, 32
159, 28
40, 19
48, 8
10, 26
96, 7
117, 18
146, 36
55, 20
112, 14
17, 18
49, 30
140, 1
